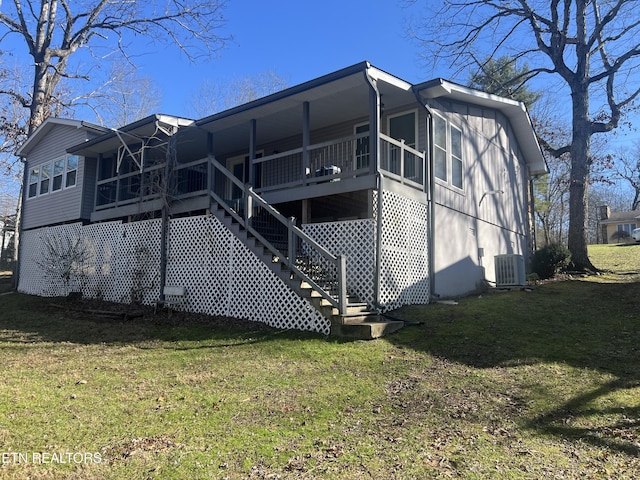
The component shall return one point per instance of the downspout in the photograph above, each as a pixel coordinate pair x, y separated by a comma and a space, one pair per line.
532, 223
374, 142
17, 244
429, 190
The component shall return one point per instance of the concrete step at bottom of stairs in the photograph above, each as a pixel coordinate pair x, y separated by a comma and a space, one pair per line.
366, 330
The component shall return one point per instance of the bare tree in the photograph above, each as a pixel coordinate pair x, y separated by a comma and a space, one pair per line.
63, 260
591, 46
56, 31
13, 114
125, 97
627, 169
211, 97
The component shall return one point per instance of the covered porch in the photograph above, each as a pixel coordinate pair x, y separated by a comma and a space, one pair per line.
328, 138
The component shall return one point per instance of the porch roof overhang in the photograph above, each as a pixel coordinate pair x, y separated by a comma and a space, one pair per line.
515, 111
136, 131
343, 95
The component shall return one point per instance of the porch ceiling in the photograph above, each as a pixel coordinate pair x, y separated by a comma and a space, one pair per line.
283, 117
336, 98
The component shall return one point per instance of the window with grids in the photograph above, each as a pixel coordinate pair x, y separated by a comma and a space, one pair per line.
53, 176
448, 152
627, 227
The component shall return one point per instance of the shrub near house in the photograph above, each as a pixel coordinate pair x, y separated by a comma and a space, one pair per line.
549, 260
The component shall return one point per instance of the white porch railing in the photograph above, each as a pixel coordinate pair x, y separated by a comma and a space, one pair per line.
405, 164
345, 157
337, 159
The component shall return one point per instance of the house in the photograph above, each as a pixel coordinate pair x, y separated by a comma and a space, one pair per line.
7, 241
317, 207
617, 226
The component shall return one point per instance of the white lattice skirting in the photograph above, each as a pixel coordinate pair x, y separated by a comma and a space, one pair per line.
356, 240
120, 262
404, 263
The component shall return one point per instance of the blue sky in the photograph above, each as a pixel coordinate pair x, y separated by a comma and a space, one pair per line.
298, 40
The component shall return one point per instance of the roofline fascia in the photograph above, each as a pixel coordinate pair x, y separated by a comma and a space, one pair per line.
59, 121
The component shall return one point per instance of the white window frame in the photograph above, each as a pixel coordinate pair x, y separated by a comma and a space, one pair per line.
62, 173
450, 158
37, 175
67, 171
45, 176
34, 172
627, 227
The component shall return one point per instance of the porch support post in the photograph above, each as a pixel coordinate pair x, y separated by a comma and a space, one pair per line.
252, 151
210, 170
342, 284
375, 110
374, 128
252, 171
306, 140
306, 211
291, 243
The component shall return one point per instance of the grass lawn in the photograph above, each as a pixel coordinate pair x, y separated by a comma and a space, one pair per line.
523, 384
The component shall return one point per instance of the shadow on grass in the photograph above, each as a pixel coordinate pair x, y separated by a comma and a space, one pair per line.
6, 282
28, 319
583, 324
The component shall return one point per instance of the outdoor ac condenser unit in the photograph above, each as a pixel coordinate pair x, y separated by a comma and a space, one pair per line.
510, 270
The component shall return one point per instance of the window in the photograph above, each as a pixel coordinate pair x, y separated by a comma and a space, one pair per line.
58, 174
456, 157
627, 227
45, 178
447, 152
53, 176
72, 169
440, 147
34, 178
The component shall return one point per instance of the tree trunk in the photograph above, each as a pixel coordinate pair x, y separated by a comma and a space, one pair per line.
579, 181
38, 110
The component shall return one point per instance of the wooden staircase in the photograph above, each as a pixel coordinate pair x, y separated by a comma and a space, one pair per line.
357, 322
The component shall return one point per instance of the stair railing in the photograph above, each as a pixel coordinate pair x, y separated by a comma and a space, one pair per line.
242, 204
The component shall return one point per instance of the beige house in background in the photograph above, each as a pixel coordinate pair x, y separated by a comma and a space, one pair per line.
614, 222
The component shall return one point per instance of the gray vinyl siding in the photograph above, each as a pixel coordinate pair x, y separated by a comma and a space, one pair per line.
65, 205
484, 223
492, 162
